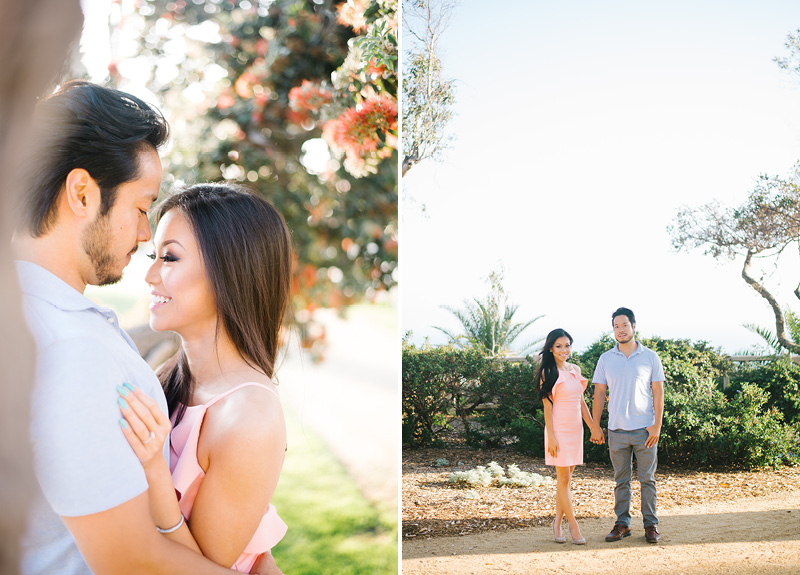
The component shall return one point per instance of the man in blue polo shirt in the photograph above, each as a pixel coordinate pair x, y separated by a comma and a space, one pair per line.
634, 378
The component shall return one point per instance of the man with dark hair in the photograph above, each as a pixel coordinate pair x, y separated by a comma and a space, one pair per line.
634, 378
96, 171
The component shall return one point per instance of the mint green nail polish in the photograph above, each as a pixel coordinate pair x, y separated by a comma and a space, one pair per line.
128, 385
123, 391
122, 403
123, 424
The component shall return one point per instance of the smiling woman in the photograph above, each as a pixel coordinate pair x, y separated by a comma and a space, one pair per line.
220, 280
178, 269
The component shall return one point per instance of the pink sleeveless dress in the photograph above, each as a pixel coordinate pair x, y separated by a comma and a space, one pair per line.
187, 476
567, 420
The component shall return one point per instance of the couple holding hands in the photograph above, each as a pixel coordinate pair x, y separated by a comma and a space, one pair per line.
634, 379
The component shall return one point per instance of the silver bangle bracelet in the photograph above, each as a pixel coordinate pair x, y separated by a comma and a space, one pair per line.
171, 529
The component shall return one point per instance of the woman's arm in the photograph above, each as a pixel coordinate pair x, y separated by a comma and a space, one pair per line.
241, 448
587, 416
552, 444
141, 417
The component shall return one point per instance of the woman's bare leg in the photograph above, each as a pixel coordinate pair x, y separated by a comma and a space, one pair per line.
558, 518
564, 499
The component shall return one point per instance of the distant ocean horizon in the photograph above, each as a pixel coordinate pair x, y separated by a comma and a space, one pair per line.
728, 343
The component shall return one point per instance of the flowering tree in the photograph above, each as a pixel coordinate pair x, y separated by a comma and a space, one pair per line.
298, 99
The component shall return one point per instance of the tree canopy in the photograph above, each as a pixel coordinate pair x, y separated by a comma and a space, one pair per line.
762, 227
428, 95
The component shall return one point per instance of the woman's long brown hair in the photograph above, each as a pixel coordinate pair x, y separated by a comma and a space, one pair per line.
247, 253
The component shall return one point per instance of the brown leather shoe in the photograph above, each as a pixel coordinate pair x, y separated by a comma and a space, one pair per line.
651, 534
618, 532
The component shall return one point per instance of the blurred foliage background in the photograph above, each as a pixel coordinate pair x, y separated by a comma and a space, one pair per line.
296, 98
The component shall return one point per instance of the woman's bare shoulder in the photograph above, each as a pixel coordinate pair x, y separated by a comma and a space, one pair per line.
252, 414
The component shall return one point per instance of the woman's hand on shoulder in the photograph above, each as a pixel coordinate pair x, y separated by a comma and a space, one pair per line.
143, 424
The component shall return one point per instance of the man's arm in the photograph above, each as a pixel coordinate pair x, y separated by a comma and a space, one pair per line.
123, 540
658, 406
598, 404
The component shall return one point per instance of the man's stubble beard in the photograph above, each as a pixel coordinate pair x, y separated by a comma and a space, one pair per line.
95, 243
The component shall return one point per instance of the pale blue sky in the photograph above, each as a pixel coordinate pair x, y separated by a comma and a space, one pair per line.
581, 128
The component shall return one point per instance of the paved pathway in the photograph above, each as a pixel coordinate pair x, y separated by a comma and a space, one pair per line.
351, 399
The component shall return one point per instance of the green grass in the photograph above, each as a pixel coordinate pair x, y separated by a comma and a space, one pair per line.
332, 528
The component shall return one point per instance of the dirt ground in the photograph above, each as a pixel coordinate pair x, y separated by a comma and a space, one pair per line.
754, 536
712, 522
433, 507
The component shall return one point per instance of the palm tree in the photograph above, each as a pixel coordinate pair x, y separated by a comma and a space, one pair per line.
488, 325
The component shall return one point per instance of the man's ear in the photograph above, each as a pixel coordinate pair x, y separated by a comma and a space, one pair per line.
82, 194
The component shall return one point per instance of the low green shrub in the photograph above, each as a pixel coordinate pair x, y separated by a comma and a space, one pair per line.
754, 422
437, 381
779, 377
516, 407
713, 430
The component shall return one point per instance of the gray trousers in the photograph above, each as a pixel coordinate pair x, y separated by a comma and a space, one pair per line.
622, 446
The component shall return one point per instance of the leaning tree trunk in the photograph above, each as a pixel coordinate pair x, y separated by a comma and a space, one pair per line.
34, 37
780, 325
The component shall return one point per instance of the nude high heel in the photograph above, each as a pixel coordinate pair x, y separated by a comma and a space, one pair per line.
561, 539
580, 541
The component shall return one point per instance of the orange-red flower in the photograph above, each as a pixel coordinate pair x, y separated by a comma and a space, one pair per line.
361, 130
309, 97
375, 68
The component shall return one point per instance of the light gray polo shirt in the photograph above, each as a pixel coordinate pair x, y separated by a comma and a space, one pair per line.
82, 461
630, 398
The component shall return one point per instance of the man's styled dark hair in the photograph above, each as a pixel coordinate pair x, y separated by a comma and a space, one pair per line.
623, 311
82, 125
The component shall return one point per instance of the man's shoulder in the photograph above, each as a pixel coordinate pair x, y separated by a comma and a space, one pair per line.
71, 362
77, 346
49, 324
76, 331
